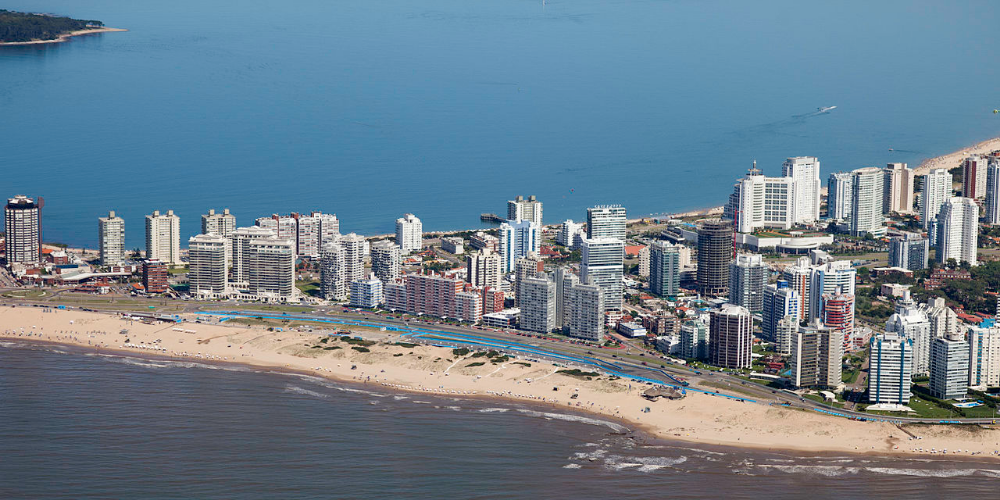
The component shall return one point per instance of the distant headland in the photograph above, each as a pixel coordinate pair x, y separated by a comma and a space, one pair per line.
20, 28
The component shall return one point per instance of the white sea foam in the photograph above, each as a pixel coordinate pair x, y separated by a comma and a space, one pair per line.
494, 410
820, 470
574, 418
572, 466
294, 389
454, 408
930, 472
400, 398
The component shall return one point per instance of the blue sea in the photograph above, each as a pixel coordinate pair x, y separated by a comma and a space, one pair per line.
86, 425
448, 108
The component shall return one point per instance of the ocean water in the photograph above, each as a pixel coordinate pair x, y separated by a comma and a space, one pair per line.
447, 108
82, 425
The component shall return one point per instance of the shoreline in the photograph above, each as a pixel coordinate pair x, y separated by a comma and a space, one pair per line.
951, 160
64, 37
696, 419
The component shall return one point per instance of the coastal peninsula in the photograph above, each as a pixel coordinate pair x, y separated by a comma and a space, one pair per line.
21, 28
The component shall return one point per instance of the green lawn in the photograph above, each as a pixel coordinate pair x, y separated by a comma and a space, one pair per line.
309, 287
822, 400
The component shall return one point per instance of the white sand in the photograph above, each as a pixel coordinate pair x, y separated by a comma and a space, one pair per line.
67, 36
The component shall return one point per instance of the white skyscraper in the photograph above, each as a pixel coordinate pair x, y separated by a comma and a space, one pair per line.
838, 196
354, 257
538, 304
779, 301
409, 234
911, 322
897, 190
602, 265
386, 260
958, 231
866, 202
758, 201
984, 357
949, 378
799, 278
238, 249
829, 279
730, 337
520, 209
208, 257
333, 285
889, 369
585, 311
805, 171
993, 194
937, 188
484, 269
606, 221
747, 277
111, 239
366, 293
517, 240
270, 266
215, 223
816, 356
570, 233
163, 237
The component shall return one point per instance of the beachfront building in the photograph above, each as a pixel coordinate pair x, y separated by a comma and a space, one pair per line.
935, 190
208, 257
270, 264
23, 225
520, 209
867, 194
564, 279
974, 169
715, 252
785, 330
606, 221
758, 201
949, 368
984, 357
238, 250
664, 269
730, 337
483, 269
529, 266
816, 356
386, 260
897, 189
602, 263
111, 239
154, 276
909, 251
585, 305
517, 239
958, 231
779, 300
890, 364
333, 285
747, 277
805, 172
285, 226
538, 304
992, 204
469, 306
222, 224
911, 322
366, 293
838, 197
694, 340
835, 277
163, 237
409, 234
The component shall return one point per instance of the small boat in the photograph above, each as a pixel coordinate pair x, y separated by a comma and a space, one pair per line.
824, 109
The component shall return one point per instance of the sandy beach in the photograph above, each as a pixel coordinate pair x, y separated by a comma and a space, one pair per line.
696, 418
952, 160
67, 36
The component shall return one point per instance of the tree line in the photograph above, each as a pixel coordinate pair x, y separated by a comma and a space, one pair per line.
23, 27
